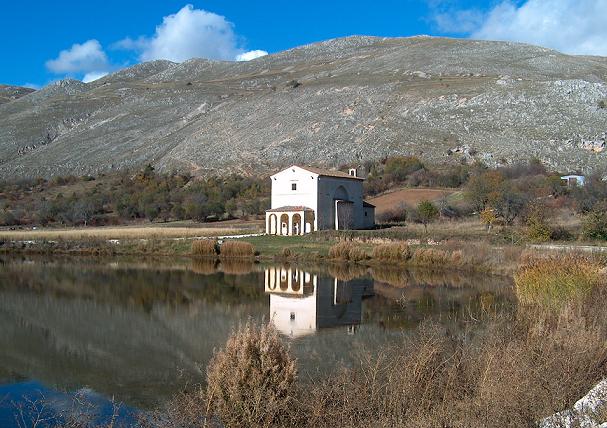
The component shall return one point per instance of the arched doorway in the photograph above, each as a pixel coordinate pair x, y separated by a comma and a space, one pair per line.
343, 213
272, 227
296, 224
284, 224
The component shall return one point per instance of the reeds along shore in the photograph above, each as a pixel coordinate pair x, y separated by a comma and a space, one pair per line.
509, 369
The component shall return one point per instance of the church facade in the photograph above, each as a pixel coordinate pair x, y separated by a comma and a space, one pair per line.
306, 199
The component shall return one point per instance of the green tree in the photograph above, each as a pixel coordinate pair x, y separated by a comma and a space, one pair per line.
538, 229
426, 213
594, 225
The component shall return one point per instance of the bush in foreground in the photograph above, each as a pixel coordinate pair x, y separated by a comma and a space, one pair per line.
234, 248
394, 252
552, 282
205, 247
347, 251
251, 382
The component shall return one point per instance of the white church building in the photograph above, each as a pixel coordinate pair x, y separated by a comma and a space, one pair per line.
306, 199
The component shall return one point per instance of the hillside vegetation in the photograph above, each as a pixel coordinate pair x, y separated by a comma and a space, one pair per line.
341, 101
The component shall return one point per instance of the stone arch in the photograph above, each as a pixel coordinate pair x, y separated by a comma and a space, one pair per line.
296, 224
284, 224
341, 194
272, 224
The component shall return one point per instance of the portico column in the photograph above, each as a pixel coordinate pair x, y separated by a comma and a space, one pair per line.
302, 223
290, 224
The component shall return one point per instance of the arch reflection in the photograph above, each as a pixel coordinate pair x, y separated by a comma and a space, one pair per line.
302, 302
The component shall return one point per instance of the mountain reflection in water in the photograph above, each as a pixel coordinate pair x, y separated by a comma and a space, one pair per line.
140, 331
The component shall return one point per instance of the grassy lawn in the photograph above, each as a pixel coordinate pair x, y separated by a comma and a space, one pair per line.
304, 245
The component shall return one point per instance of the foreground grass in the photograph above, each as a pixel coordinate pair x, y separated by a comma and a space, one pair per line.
512, 370
126, 232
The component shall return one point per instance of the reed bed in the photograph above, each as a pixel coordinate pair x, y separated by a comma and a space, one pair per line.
394, 252
347, 250
233, 248
205, 247
555, 281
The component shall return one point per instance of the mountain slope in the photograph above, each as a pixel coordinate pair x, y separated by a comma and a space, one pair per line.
10, 93
328, 103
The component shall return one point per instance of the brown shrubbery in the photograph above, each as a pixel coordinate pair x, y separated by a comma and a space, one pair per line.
205, 247
347, 251
512, 370
556, 281
232, 248
252, 381
395, 252
437, 258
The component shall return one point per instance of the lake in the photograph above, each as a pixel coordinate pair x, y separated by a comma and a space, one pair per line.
140, 330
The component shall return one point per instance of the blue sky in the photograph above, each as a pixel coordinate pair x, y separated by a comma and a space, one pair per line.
44, 41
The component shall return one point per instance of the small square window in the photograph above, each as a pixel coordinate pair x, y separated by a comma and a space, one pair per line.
293, 186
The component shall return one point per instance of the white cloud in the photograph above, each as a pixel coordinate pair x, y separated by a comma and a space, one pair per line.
251, 55
80, 58
94, 75
187, 34
570, 26
190, 33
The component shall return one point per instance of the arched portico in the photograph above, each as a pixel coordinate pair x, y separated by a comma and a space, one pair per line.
288, 221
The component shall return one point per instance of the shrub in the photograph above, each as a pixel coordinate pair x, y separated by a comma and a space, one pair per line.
233, 248
204, 247
603, 104
555, 281
252, 380
595, 224
347, 251
538, 229
434, 257
286, 252
395, 252
426, 213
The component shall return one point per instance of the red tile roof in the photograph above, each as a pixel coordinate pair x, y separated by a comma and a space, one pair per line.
329, 172
289, 208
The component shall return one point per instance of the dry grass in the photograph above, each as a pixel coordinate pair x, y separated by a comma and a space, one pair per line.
234, 248
437, 258
205, 247
252, 381
396, 252
513, 371
556, 281
116, 233
347, 250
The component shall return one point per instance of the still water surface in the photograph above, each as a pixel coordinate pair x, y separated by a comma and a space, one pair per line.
141, 330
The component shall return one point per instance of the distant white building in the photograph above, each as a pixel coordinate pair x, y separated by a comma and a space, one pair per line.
574, 180
306, 199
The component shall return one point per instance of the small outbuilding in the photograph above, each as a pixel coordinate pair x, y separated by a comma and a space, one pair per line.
573, 180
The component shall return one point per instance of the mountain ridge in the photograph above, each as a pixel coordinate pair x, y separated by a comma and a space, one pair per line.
328, 103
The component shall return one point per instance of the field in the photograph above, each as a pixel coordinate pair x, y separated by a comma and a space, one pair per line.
150, 231
410, 197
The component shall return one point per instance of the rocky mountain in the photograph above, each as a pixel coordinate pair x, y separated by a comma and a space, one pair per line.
10, 93
329, 103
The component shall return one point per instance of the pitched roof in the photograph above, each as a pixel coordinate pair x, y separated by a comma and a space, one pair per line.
289, 208
329, 172
368, 204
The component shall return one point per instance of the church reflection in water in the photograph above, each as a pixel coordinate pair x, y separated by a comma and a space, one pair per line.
302, 302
